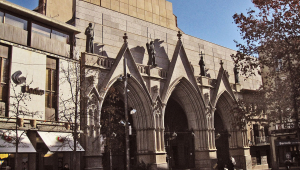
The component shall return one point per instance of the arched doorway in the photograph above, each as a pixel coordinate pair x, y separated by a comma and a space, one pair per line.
179, 140
113, 132
222, 143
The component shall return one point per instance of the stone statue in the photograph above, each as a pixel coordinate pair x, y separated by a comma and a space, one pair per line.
89, 32
151, 52
202, 68
236, 74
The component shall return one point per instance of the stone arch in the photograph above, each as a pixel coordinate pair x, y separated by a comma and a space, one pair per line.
93, 113
191, 101
143, 119
237, 138
91, 121
224, 104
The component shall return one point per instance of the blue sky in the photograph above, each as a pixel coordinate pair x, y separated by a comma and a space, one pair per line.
210, 20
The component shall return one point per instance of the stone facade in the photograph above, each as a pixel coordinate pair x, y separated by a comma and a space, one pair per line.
204, 101
177, 76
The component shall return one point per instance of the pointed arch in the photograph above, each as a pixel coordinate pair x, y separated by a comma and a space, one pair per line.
93, 113
224, 105
138, 99
191, 101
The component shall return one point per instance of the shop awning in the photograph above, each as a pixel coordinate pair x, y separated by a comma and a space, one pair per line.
8, 142
59, 142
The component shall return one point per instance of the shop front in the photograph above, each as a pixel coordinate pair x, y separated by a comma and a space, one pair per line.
55, 149
287, 150
38, 150
8, 150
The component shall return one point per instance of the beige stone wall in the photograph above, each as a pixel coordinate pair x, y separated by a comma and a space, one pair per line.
110, 27
61, 10
159, 12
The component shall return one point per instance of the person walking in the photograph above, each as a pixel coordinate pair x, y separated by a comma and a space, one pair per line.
232, 163
66, 167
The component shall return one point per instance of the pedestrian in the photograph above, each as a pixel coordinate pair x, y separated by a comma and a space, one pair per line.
66, 167
232, 163
288, 161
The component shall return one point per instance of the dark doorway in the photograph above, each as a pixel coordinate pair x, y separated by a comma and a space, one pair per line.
222, 143
179, 140
113, 131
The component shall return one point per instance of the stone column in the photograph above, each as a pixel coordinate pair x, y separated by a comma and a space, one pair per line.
239, 149
32, 156
205, 151
205, 148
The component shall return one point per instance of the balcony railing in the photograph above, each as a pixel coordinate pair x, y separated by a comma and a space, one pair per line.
264, 140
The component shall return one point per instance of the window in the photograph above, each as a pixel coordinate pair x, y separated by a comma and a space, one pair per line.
266, 130
51, 83
50, 33
4, 68
1, 17
41, 30
15, 21
60, 36
256, 130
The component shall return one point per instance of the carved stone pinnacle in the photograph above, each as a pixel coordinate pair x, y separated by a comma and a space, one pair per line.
179, 35
125, 37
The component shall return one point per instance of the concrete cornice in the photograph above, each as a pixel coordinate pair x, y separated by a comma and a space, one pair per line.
37, 16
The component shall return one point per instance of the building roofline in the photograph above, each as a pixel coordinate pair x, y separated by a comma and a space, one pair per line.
37, 16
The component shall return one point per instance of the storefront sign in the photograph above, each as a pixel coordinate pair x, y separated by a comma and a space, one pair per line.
37, 91
287, 142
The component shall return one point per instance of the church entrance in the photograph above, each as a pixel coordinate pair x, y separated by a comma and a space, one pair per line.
222, 143
113, 133
179, 140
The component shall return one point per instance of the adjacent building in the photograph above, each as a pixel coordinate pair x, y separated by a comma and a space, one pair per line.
35, 52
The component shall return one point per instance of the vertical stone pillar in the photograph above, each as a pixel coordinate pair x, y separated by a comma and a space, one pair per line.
242, 157
239, 148
205, 148
32, 156
205, 151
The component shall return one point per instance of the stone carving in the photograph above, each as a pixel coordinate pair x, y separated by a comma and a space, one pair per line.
227, 74
179, 35
151, 52
155, 89
206, 96
157, 107
236, 74
125, 37
89, 32
202, 65
208, 112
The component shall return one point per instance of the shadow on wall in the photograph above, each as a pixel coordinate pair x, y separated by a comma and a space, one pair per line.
161, 54
138, 53
98, 49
